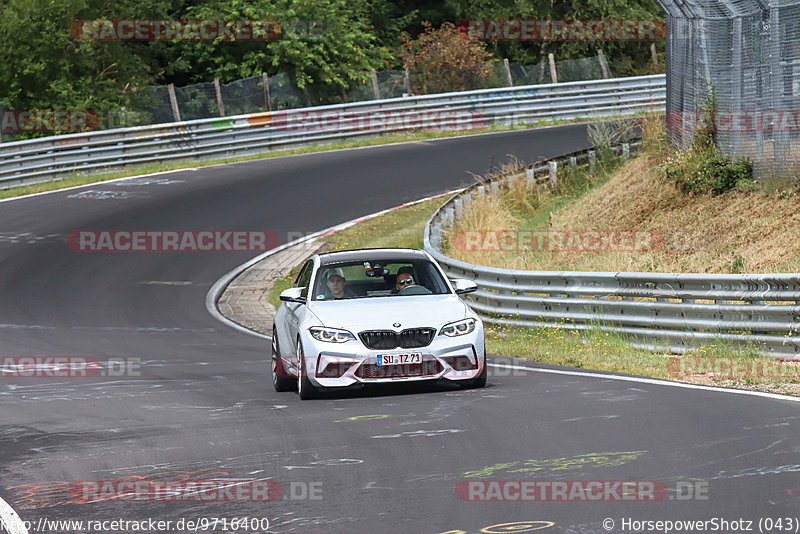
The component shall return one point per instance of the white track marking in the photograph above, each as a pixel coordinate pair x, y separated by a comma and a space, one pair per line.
653, 381
93, 184
10, 519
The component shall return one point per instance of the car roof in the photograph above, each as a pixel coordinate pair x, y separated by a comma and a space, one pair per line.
371, 254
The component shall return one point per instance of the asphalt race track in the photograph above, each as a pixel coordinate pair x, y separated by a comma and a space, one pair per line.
199, 405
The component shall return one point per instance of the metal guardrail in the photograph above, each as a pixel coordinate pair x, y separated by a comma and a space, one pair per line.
656, 311
39, 160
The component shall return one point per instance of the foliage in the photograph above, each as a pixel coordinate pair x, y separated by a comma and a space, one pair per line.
702, 169
45, 68
444, 59
627, 57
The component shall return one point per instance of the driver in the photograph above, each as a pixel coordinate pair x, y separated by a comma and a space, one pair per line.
405, 278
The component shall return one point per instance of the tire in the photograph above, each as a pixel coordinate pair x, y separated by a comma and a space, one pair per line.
305, 388
281, 380
479, 381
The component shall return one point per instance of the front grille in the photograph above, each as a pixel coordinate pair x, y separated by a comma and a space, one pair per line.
412, 338
371, 370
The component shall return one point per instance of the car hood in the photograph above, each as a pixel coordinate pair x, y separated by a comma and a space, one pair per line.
380, 313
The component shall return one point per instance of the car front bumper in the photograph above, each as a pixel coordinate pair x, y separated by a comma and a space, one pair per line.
332, 365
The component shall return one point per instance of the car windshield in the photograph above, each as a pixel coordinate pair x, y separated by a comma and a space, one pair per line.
378, 278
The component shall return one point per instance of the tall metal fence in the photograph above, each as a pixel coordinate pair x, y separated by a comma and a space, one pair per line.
748, 51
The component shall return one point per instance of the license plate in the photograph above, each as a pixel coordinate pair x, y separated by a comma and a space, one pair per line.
399, 359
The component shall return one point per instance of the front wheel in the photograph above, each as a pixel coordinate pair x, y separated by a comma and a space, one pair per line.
304, 386
281, 380
479, 381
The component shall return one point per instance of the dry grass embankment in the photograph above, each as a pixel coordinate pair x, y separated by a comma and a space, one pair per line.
752, 228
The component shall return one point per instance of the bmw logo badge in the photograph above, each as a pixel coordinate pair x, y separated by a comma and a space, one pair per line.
396, 325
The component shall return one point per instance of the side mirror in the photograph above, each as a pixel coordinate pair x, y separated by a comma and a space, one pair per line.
462, 286
293, 294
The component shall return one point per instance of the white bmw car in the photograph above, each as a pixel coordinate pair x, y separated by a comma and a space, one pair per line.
375, 316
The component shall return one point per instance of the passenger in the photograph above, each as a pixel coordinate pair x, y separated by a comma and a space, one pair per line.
336, 283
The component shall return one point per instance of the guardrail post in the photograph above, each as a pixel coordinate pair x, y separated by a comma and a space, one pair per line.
494, 188
573, 161
481, 190
530, 175
458, 206
436, 235
467, 200
553, 173
592, 160
448, 216
626, 151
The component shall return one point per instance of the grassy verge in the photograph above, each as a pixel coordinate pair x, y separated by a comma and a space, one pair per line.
93, 177
695, 210
592, 349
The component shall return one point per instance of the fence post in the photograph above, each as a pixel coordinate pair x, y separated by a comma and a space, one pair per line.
173, 100
375, 86
508, 72
573, 162
219, 97
592, 160
603, 64
407, 81
552, 60
494, 188
654, 54
458, 205
553, 173
266, 91
626, 151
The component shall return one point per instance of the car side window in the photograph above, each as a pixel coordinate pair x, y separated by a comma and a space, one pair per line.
304, 277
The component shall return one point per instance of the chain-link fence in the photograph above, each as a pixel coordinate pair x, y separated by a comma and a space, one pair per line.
734, 66
156, 105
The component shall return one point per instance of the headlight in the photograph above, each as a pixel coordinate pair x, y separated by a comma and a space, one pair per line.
459, 328
331, 335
